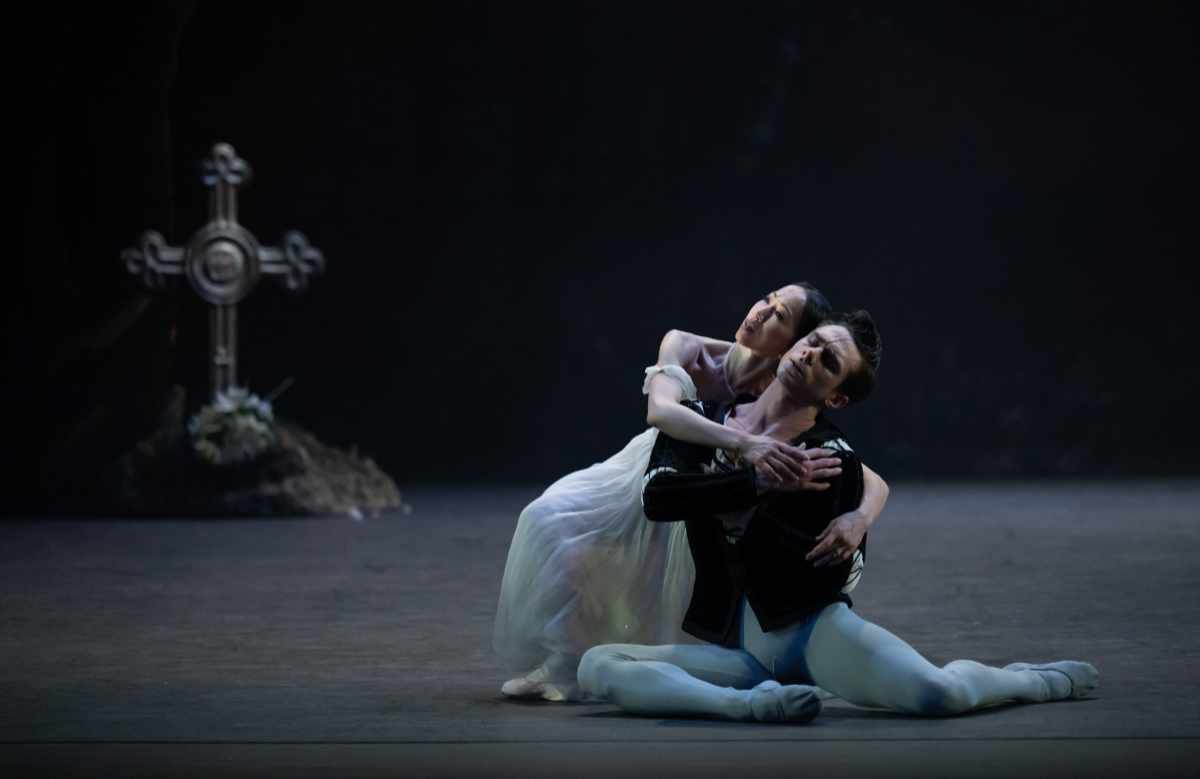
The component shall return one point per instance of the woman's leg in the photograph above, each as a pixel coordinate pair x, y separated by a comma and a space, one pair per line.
686, 680
869, 666
586, 568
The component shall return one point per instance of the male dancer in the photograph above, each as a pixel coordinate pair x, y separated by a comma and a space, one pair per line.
770, 614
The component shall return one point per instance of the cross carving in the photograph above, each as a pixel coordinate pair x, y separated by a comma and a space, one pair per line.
223, 261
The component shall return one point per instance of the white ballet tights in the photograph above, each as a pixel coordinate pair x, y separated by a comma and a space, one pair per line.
836, 650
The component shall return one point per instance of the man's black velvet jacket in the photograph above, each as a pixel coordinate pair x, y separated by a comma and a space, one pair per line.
686, 483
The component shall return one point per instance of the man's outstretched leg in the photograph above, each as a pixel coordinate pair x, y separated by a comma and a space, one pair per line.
869, 666
685, 680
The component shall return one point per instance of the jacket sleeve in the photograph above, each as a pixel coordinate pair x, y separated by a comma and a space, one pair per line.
676, 487
845, 490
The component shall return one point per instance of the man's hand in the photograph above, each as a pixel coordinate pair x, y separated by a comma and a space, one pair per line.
779, 466
838, 540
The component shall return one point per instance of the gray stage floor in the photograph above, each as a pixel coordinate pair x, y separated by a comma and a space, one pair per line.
338, 647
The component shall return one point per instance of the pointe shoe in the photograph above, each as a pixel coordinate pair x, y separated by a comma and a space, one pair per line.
537, 685
523, 687
771, 701
560, 692
1083, 678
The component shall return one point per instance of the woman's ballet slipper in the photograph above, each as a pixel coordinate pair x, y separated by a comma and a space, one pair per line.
537, 684
523, 688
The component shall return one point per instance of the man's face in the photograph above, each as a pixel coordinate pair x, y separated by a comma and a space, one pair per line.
812, 370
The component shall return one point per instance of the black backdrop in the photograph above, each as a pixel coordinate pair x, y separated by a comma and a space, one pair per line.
517, 200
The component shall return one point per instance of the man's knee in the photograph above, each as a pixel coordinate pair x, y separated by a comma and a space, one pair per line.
593, 666
942, 693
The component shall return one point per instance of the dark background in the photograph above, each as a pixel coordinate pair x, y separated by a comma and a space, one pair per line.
517, 200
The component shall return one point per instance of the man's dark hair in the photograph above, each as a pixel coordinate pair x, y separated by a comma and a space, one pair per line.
859, 383
816, 310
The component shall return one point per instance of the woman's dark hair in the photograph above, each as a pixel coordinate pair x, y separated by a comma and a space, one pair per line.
863, 330
816, 310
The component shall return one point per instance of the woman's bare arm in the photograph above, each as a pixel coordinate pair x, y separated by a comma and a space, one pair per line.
775, 461
665, 411
703, 358
875, 495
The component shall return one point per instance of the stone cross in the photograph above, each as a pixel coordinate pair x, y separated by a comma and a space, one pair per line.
223, 261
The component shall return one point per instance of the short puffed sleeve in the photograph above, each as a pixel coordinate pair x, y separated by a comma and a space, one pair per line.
676, 373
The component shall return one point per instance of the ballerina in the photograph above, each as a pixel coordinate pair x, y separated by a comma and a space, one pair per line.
586, 568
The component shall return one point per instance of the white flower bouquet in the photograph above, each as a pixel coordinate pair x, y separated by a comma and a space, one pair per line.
236, 427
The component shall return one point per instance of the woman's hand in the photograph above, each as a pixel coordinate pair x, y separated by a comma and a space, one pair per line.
780, 466
838, 540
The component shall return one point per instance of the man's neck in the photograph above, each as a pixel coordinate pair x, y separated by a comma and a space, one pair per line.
776, 415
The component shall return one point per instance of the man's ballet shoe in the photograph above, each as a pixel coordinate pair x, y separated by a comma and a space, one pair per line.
1082, 679
771, 701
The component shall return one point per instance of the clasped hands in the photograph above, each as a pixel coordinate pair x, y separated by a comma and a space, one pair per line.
781, 467
785, 468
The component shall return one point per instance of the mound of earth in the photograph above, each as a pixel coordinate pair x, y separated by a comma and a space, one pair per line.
298, 476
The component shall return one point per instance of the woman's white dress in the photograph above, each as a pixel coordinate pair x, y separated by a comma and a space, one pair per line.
586, 567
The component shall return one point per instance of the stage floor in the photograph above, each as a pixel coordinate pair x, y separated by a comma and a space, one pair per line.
342, 647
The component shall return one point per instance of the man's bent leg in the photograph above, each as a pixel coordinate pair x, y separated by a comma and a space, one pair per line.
671, 680
686, 680
869, 666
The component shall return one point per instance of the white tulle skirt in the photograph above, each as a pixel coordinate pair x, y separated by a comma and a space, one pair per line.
586, 567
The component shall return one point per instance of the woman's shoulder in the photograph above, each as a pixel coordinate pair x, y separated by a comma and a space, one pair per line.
716, 361
690, 347
703, 358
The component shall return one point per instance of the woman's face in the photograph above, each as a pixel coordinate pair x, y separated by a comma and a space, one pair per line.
770, 327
